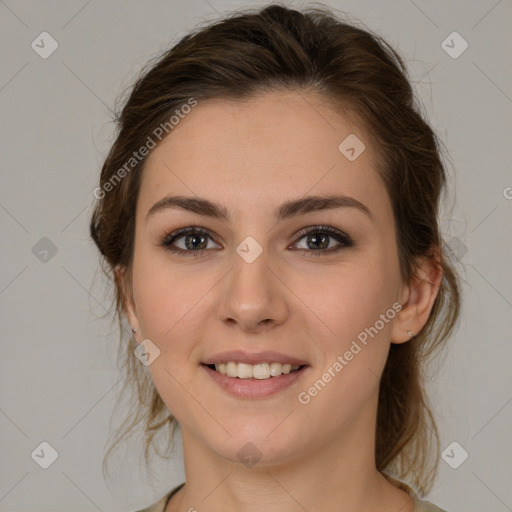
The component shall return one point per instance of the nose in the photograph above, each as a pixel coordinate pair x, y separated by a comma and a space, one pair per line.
253, 295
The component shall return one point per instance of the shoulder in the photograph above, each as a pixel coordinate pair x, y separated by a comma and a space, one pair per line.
159, 506
419, 505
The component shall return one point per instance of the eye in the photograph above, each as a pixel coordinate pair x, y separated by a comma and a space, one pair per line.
195, 240
318, 236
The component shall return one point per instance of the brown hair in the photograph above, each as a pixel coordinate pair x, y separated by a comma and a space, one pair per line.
273, 49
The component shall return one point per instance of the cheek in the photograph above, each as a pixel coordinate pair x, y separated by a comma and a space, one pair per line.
348, 299
164, 294
169, 311
354, 305
355, 346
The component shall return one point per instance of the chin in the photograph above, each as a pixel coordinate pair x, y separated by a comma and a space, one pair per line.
251, 446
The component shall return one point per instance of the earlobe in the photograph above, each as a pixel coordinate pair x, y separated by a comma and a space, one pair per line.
420, 295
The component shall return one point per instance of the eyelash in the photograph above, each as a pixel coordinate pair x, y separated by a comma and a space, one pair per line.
344, 239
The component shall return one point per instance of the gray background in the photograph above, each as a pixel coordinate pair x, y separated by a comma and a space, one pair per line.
58, 376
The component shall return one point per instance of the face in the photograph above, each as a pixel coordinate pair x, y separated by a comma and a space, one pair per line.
316, 287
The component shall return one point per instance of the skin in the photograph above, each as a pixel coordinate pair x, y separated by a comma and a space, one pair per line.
252, 156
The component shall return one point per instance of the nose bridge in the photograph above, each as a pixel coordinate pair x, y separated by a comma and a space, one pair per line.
252, 295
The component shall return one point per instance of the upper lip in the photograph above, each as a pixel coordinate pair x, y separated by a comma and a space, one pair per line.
267, 356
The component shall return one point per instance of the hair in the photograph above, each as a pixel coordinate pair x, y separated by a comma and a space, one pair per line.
274, 49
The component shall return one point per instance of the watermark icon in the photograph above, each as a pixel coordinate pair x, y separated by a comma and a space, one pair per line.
249, 249
454, 455
304, 397
249, 454
44, 250
44, 45
454, 45
507, 192
351, 147
456, 248
146, 352
44, 455
137, 156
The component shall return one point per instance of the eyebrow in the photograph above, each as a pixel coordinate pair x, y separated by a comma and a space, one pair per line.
291, 208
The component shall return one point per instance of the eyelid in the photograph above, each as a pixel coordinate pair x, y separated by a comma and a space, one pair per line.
334, 232
342, 238
178, 233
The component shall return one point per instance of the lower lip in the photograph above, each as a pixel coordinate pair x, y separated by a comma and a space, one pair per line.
254, 388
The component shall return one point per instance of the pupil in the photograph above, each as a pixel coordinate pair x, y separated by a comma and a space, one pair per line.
316, 237
192, 246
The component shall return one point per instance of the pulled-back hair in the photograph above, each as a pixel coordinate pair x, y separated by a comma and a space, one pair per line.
273, 49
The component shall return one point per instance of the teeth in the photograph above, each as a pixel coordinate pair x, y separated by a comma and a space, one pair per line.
258, 371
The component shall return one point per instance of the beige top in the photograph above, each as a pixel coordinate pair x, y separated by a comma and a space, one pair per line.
418, 504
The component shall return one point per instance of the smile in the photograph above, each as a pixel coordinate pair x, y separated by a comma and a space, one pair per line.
257, 371
249, 381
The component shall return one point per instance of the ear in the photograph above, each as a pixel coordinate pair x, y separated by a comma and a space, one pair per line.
417, 298
122, 277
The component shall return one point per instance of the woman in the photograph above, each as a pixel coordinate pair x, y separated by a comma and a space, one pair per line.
268, 213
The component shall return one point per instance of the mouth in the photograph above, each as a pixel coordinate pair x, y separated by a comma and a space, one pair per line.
258, 381
261, 371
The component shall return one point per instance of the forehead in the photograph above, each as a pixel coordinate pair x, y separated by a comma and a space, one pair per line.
261, 150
